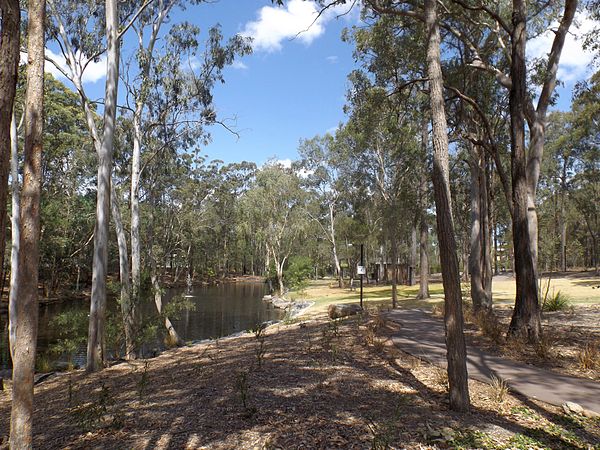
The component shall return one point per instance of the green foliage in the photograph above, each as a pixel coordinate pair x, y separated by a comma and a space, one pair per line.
142, 384
298, 272
177, 305
557, 302
96, 410
71, 329
260, 350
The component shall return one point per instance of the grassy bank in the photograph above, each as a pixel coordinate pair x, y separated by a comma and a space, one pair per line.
578, 286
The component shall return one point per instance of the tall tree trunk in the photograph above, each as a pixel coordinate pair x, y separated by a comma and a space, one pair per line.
127, 305
9, 57
563, 218
15, 236
478, 257
486, 217
453, 317
96, 345
423, 228
394, 245
423, 259
526, 315
27, 307
336, 259
413, 251
135, 207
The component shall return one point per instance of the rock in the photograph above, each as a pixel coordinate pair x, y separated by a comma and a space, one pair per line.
268, 298
591, 414
343, 310
572, 408
281, 302
298, 308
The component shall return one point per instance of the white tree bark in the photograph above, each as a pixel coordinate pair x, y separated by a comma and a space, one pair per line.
21, 420
95, 350
15, 235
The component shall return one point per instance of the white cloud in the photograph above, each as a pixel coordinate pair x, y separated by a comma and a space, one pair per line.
93, 72
298, 19
239, 65
332, 59
575, 62
287, 163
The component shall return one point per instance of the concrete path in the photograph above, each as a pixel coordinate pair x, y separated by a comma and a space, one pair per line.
422, 335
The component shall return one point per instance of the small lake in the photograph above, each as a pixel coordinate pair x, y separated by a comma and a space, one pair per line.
218, 311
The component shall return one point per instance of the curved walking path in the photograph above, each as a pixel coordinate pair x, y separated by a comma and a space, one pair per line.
422, 335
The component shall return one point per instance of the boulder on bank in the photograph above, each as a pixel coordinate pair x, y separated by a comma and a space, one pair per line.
281, 303
343, 310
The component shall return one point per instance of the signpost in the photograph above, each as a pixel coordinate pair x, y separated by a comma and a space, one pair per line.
361, 270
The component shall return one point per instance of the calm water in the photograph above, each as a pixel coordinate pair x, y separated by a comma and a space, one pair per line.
219, 311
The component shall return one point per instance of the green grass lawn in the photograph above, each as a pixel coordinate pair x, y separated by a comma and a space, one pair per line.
577, 286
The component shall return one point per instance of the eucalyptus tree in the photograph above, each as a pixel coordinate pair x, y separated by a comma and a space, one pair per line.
586, 130
419, 14
321, 176
394, 58
78, 29
10, 14
179, 108
501, 54
277, 204
147, 29
383, 157
27, 311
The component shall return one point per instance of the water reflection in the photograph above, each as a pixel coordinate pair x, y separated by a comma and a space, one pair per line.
219, 311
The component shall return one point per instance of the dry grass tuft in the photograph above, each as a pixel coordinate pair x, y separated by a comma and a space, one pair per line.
589, 356
500, 389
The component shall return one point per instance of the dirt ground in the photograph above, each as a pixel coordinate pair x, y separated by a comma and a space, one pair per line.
319, 384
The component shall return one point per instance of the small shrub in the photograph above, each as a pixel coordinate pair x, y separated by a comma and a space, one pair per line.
96, 413
440, 375
545, 346
142, 383
244, 391
260, 349
489, 326
500, 388
379, 345
170, 341
369, 336
298, 272
588, 356
334, 328
43, 363
557, 302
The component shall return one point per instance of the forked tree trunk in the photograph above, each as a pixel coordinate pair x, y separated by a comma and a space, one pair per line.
453, 317
526, 315
96, 345
27, 309
9, 63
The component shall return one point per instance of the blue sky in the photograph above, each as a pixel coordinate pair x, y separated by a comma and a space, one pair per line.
293, 87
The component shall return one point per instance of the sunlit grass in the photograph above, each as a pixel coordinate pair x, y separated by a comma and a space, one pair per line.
326, 292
